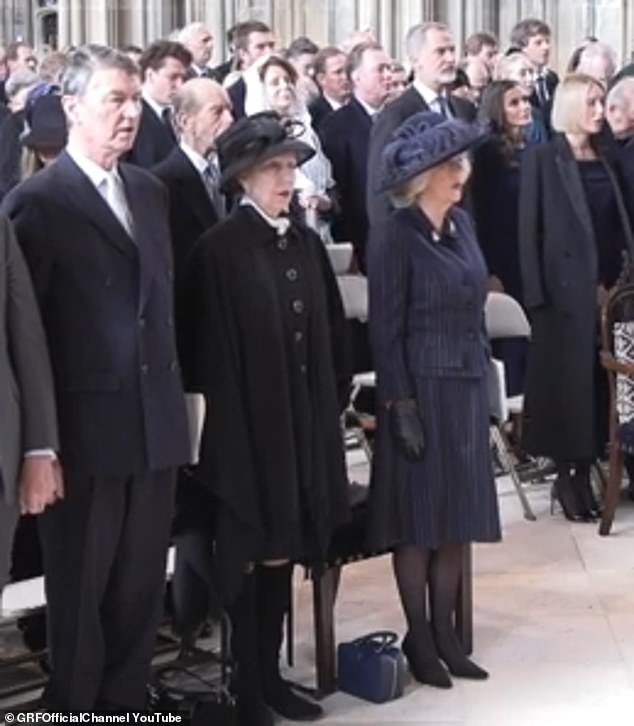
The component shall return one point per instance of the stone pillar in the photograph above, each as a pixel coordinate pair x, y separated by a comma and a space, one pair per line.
63, 23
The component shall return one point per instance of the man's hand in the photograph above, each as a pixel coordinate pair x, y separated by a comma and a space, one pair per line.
40, 483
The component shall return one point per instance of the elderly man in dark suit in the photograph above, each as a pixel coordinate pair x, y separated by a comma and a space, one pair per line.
163, 66
95, 234
30, 478
202, 112
200, 43
346, 137
432, 53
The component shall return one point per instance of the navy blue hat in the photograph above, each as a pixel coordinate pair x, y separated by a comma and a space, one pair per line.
45, 123
422, 142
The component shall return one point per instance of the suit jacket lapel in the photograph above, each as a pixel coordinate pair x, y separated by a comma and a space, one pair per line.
81, 193
194, 191
571, 178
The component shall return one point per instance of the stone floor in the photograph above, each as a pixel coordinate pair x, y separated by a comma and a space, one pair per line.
554, 624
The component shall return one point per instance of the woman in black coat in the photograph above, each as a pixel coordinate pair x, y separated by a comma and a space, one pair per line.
574, 228
261, 338
495, 191
432, 488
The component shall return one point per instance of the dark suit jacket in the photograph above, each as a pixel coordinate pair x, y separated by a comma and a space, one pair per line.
320, 110
154, 140
107, 307
552, 81
208, 73
390, 118
223, 70
191, 210
238, 95
11, 127
345, 136
27, 399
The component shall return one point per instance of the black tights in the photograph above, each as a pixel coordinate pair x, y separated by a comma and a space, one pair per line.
418, 570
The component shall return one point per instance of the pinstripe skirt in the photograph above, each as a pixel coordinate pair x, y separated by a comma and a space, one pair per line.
448, 497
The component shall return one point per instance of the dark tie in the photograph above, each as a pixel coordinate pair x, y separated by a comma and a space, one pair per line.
443, 105
211, 177
166, 115
542, 90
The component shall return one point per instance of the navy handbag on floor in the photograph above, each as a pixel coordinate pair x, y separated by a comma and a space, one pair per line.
371, 667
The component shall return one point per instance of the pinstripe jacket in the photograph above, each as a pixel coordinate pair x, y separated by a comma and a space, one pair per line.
427, 295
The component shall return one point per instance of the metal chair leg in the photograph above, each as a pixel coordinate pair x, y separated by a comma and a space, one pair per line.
500, 443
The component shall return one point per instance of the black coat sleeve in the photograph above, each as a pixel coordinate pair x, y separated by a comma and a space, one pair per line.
530, 230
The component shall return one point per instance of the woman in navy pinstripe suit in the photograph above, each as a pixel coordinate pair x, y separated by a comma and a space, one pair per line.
432, 484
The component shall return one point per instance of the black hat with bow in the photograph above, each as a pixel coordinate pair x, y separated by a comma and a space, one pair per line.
255, 139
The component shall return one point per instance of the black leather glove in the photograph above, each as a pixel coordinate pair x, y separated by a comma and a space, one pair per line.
407, 429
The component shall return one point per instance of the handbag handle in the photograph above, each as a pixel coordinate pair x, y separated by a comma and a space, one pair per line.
381, 639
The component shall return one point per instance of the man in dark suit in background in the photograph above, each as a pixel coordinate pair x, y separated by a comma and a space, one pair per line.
30, 478
253, 40
334, 85
346, 136
163, 66
532, 37
95, 235
202, 111
432, 53
199, 41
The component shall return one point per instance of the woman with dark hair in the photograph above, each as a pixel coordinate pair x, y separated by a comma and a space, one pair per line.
574, 227
261, 325
506, 108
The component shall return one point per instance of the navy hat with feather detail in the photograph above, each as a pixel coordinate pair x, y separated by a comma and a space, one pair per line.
422, 142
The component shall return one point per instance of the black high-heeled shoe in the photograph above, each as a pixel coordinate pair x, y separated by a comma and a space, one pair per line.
583, 489
564, 492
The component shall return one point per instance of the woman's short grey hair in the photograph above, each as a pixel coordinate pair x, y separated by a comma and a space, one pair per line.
417, 37
87, 60
407, 194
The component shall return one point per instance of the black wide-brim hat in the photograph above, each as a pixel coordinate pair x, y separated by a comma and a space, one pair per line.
423, 141
255, 139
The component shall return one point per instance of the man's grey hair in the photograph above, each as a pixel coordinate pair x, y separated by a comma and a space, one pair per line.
19, 81
186, 33
622, 93
87, 60
417, 37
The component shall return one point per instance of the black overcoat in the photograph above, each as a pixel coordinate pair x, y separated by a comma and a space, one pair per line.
233, 318
558, 261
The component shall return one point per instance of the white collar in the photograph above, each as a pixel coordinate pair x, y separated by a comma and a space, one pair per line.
428, 94
154, 105
280, 224
97, 174
198, 160
333, 103
370, 110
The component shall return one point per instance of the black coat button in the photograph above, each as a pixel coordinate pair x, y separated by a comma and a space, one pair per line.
145, 368
291, 274
173, 366
282, 243
298, 307
303, 368
299, 336
141, 322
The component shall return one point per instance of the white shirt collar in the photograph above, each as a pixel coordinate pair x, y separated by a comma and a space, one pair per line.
429, 95
333, 103
198, 160
97, 174
281, 224
156, 107
370, 110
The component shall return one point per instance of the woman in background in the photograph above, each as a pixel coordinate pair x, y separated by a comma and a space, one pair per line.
574, 227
